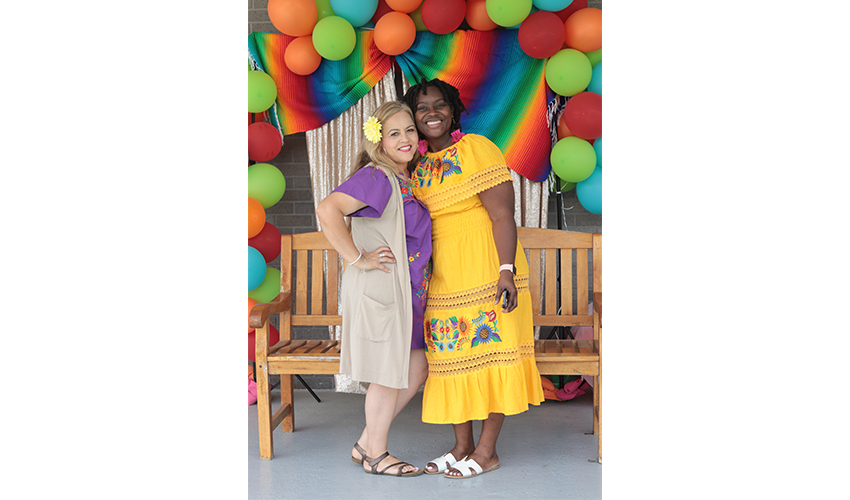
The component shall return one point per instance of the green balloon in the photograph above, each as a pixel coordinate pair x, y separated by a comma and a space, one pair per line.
266, 184
324, 9
573, 159
594, 57
262, 91
567, 186
568, 72
334, 38
416, 15
268, 289
508, 13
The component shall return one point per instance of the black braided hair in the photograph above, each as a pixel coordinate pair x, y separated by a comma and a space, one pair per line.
450, 94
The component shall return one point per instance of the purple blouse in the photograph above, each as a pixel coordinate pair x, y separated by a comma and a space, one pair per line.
370, 185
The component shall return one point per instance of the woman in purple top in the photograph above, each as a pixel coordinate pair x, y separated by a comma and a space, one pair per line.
368, 195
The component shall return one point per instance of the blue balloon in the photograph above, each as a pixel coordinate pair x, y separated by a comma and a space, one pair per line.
597, 146
256, 268
595, 84
589, 192
356, 12
551, 5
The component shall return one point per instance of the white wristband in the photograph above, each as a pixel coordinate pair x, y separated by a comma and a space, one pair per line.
507, 267
358, 258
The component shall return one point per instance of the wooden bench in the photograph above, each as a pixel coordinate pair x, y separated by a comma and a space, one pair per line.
560, 272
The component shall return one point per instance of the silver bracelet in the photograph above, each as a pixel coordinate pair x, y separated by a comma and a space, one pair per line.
358, 258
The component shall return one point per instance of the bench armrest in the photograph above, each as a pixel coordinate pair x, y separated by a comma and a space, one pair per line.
260, 313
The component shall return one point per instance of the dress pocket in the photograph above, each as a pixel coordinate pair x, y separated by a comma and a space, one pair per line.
375, 322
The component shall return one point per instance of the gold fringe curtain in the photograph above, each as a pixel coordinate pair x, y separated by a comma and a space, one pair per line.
332, 149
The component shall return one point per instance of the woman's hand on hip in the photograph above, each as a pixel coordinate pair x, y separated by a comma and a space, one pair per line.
377, 258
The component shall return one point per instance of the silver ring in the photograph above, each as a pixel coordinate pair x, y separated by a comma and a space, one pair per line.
381, 255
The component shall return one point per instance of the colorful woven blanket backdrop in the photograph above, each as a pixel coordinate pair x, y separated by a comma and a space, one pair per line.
503, 89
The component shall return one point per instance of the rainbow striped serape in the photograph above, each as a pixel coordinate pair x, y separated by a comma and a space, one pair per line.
503, 89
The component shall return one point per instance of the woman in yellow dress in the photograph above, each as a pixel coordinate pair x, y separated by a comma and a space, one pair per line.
479, 334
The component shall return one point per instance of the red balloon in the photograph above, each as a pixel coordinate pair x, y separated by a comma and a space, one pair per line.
583, 115
443, 16
274, 338
267, 242
382, 9
541, 34
264, 142
257, 117
568, 11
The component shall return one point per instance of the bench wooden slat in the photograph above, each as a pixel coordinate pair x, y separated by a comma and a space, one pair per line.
333, 282
581, 281
551, 283
566, 282
311, 241
317, 320
317, 283
301, 282
535, 238
534, 284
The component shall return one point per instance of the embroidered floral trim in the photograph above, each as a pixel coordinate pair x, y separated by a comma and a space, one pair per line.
474, 296
472, 185
479, 361
372, 130
452, 333
438, 167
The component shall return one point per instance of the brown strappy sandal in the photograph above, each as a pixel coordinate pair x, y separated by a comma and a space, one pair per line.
362, 453
373, 463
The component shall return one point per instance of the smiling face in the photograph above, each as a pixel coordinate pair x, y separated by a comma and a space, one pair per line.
434, 118
399, 138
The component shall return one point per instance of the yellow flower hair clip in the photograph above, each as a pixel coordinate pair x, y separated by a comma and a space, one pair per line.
372, 130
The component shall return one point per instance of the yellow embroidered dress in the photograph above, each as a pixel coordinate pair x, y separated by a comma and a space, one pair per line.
480, 359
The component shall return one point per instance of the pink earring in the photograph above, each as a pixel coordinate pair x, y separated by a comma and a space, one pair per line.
456, 135
423, 147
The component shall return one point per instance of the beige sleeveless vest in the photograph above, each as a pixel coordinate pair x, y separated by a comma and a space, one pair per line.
377, 312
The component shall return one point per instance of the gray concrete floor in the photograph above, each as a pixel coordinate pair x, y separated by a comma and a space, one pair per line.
543, 453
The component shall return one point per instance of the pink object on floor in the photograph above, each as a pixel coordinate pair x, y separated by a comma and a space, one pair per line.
252, 392
570, 390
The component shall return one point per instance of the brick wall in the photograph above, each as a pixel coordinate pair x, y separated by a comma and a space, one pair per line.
295, 212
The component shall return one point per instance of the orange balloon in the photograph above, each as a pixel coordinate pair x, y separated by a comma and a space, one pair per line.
584, 30
406, 6
301, 57
476, 16
394, 33
256, 217
251, 303
563, 131
293, 17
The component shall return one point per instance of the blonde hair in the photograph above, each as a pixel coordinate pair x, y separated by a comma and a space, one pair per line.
374, 153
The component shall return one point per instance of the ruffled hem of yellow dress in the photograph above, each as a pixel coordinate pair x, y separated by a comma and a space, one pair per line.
496, 389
